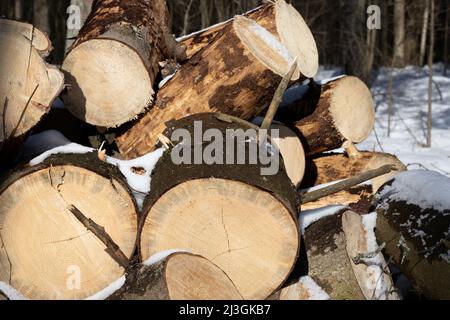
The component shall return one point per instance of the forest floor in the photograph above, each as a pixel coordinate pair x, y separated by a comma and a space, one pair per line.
409, 116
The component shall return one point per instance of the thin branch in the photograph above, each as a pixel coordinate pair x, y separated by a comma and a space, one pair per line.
346, 184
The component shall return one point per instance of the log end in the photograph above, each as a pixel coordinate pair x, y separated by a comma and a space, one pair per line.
297, 37
352, 108
128, 88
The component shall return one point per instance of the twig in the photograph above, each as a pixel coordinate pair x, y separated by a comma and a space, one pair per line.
362, 257
111, 247
346, 184
13, 132
278, 97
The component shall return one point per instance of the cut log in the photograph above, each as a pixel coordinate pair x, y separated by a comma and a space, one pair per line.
237, 73
291, 149
282, 20
231, 214
113, 64
359, 198
326, 168
28, 86
180, 276
329, 115
40, 40
68, 227
368, 264
414, 223
328, 262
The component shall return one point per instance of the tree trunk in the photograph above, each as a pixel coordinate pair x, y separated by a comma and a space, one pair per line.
237, 73
18, 9
332, 243
423, 37
41, 18
331, 167
329, 115
414, 221
28, 86
446, 36
180, 276
72, 31
113, 64
430, 76
399, 33
49, 246
240, 200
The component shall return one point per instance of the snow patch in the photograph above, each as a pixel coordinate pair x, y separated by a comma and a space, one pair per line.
160, 256
109, 290
44, 141
66, 149
314, 290
10, 292
308, 217
429, 190
165, 80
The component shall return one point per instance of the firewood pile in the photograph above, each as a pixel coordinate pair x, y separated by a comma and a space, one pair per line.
103, 196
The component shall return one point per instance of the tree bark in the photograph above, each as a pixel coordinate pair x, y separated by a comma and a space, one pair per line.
180, 276
326, 168
329, 115
118, 52
430, 74
230, 74
79, 217
423, 36
399, 33
414, 222
239, 198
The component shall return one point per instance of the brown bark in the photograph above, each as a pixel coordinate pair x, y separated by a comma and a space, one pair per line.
399, 33
139, 30
330, 115
223, 75
415, 231
331, 167
196, 279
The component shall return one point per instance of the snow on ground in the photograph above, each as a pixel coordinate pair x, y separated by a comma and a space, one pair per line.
409, 118
314, 290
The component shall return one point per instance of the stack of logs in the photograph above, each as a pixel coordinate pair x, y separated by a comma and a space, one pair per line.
70, 226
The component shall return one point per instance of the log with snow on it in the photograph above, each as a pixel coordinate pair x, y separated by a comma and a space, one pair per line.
330, 115
414, 223
137, 172
172, 275
237, 73
331, 243
305, 289
330, 167
112, 66
68, 226
280, 18
232, 214
28, 85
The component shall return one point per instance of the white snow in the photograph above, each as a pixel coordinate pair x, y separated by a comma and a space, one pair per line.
139, 183
308, 217
165, 80
328, 80
314, 290
430, 189
160, 256
409, 117
375, 272
109, 290
65, 149
445, 256
10, 292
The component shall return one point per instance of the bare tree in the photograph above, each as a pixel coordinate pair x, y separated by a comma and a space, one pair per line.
423, 37
41, 18
430, 66
446, 36
399, 33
